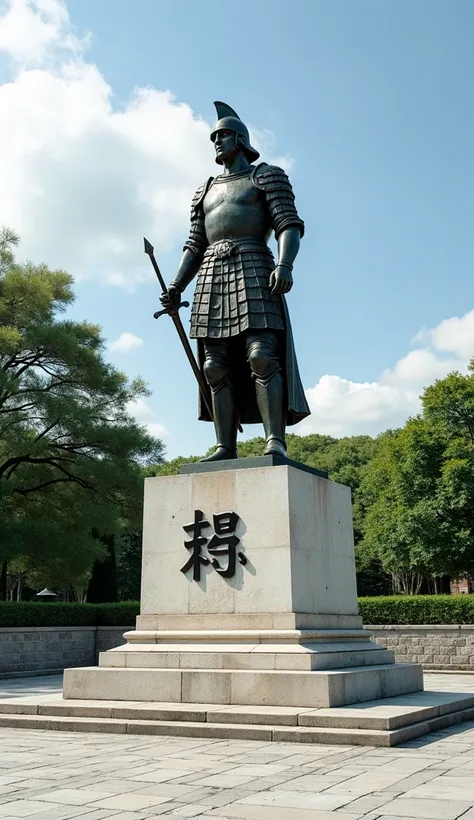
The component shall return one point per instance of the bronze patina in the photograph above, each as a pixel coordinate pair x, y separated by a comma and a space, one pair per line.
239, 315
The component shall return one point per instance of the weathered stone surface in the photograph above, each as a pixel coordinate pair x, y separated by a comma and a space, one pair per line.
295, 530
244, 687
283, 630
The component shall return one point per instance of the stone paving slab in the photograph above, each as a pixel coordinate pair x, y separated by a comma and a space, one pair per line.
49, 775
99, 777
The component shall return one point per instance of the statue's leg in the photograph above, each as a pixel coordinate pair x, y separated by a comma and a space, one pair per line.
218, 371
263, 357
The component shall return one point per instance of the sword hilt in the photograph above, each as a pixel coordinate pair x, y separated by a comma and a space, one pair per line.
170, 311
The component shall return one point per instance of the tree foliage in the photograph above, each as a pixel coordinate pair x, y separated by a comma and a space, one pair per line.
172, 467
420, 488
70, 453
129, 565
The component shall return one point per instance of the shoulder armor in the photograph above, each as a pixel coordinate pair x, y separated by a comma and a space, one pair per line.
200, 194
270, 178
279, 195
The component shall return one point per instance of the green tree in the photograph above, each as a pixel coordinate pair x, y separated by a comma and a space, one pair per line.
172, 467
448, 408
395, 489
129, 565
102, 586
70, 453
420, 488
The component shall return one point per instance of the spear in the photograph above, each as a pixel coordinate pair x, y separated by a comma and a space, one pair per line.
150, 251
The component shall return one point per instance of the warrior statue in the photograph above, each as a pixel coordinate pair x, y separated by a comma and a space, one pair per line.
239, 315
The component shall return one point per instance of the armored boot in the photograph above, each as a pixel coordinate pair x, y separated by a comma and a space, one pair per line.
226, 420
270, 399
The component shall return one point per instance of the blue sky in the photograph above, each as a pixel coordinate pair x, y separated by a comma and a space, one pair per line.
369, 105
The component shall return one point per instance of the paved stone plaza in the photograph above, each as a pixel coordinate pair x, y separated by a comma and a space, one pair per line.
58, 775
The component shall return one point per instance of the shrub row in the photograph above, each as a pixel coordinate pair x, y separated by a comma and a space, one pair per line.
394, 609
34, 613
418, 609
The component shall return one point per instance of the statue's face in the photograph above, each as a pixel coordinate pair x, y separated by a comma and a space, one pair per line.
224, 143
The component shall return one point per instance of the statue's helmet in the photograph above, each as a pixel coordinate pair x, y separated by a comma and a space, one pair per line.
228, 120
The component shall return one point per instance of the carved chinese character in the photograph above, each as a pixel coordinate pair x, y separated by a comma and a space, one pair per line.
223, 544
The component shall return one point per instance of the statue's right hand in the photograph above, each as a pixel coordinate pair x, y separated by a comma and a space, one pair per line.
171, 298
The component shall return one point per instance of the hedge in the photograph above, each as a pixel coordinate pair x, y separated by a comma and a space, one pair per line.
418, 609
394, 609
35, 613
122, 614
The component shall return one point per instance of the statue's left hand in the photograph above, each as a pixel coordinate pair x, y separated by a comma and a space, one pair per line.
281, 280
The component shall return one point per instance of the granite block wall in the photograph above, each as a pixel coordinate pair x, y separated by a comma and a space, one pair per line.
448, 646
29, 650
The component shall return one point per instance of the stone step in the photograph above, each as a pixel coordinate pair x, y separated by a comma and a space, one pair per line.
382, 723
239, 731
387, 714
236, 731
302, 659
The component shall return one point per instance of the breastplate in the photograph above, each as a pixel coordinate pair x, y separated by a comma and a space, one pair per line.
233, 208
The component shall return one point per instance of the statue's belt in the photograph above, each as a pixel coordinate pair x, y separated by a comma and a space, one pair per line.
226, 247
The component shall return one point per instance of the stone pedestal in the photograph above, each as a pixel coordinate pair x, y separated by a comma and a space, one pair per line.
281, 630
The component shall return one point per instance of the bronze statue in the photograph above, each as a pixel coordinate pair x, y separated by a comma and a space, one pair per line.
239, 315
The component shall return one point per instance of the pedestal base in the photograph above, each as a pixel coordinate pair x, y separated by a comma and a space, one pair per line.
313, 668
272, 623
240, 687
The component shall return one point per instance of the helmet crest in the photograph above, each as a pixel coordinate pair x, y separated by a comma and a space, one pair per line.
229, 120
224, 110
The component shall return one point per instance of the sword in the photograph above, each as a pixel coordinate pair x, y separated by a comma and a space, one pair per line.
149, 250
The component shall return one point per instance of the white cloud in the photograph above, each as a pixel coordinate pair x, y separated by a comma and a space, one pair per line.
83, 178
144, 415
419, 368
455, 335
341, 407
125, 343
28, 32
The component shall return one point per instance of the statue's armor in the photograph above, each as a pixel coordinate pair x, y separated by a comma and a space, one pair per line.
232, 217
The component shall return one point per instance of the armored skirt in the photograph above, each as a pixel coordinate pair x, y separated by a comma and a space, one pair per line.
232, 291
232, 296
